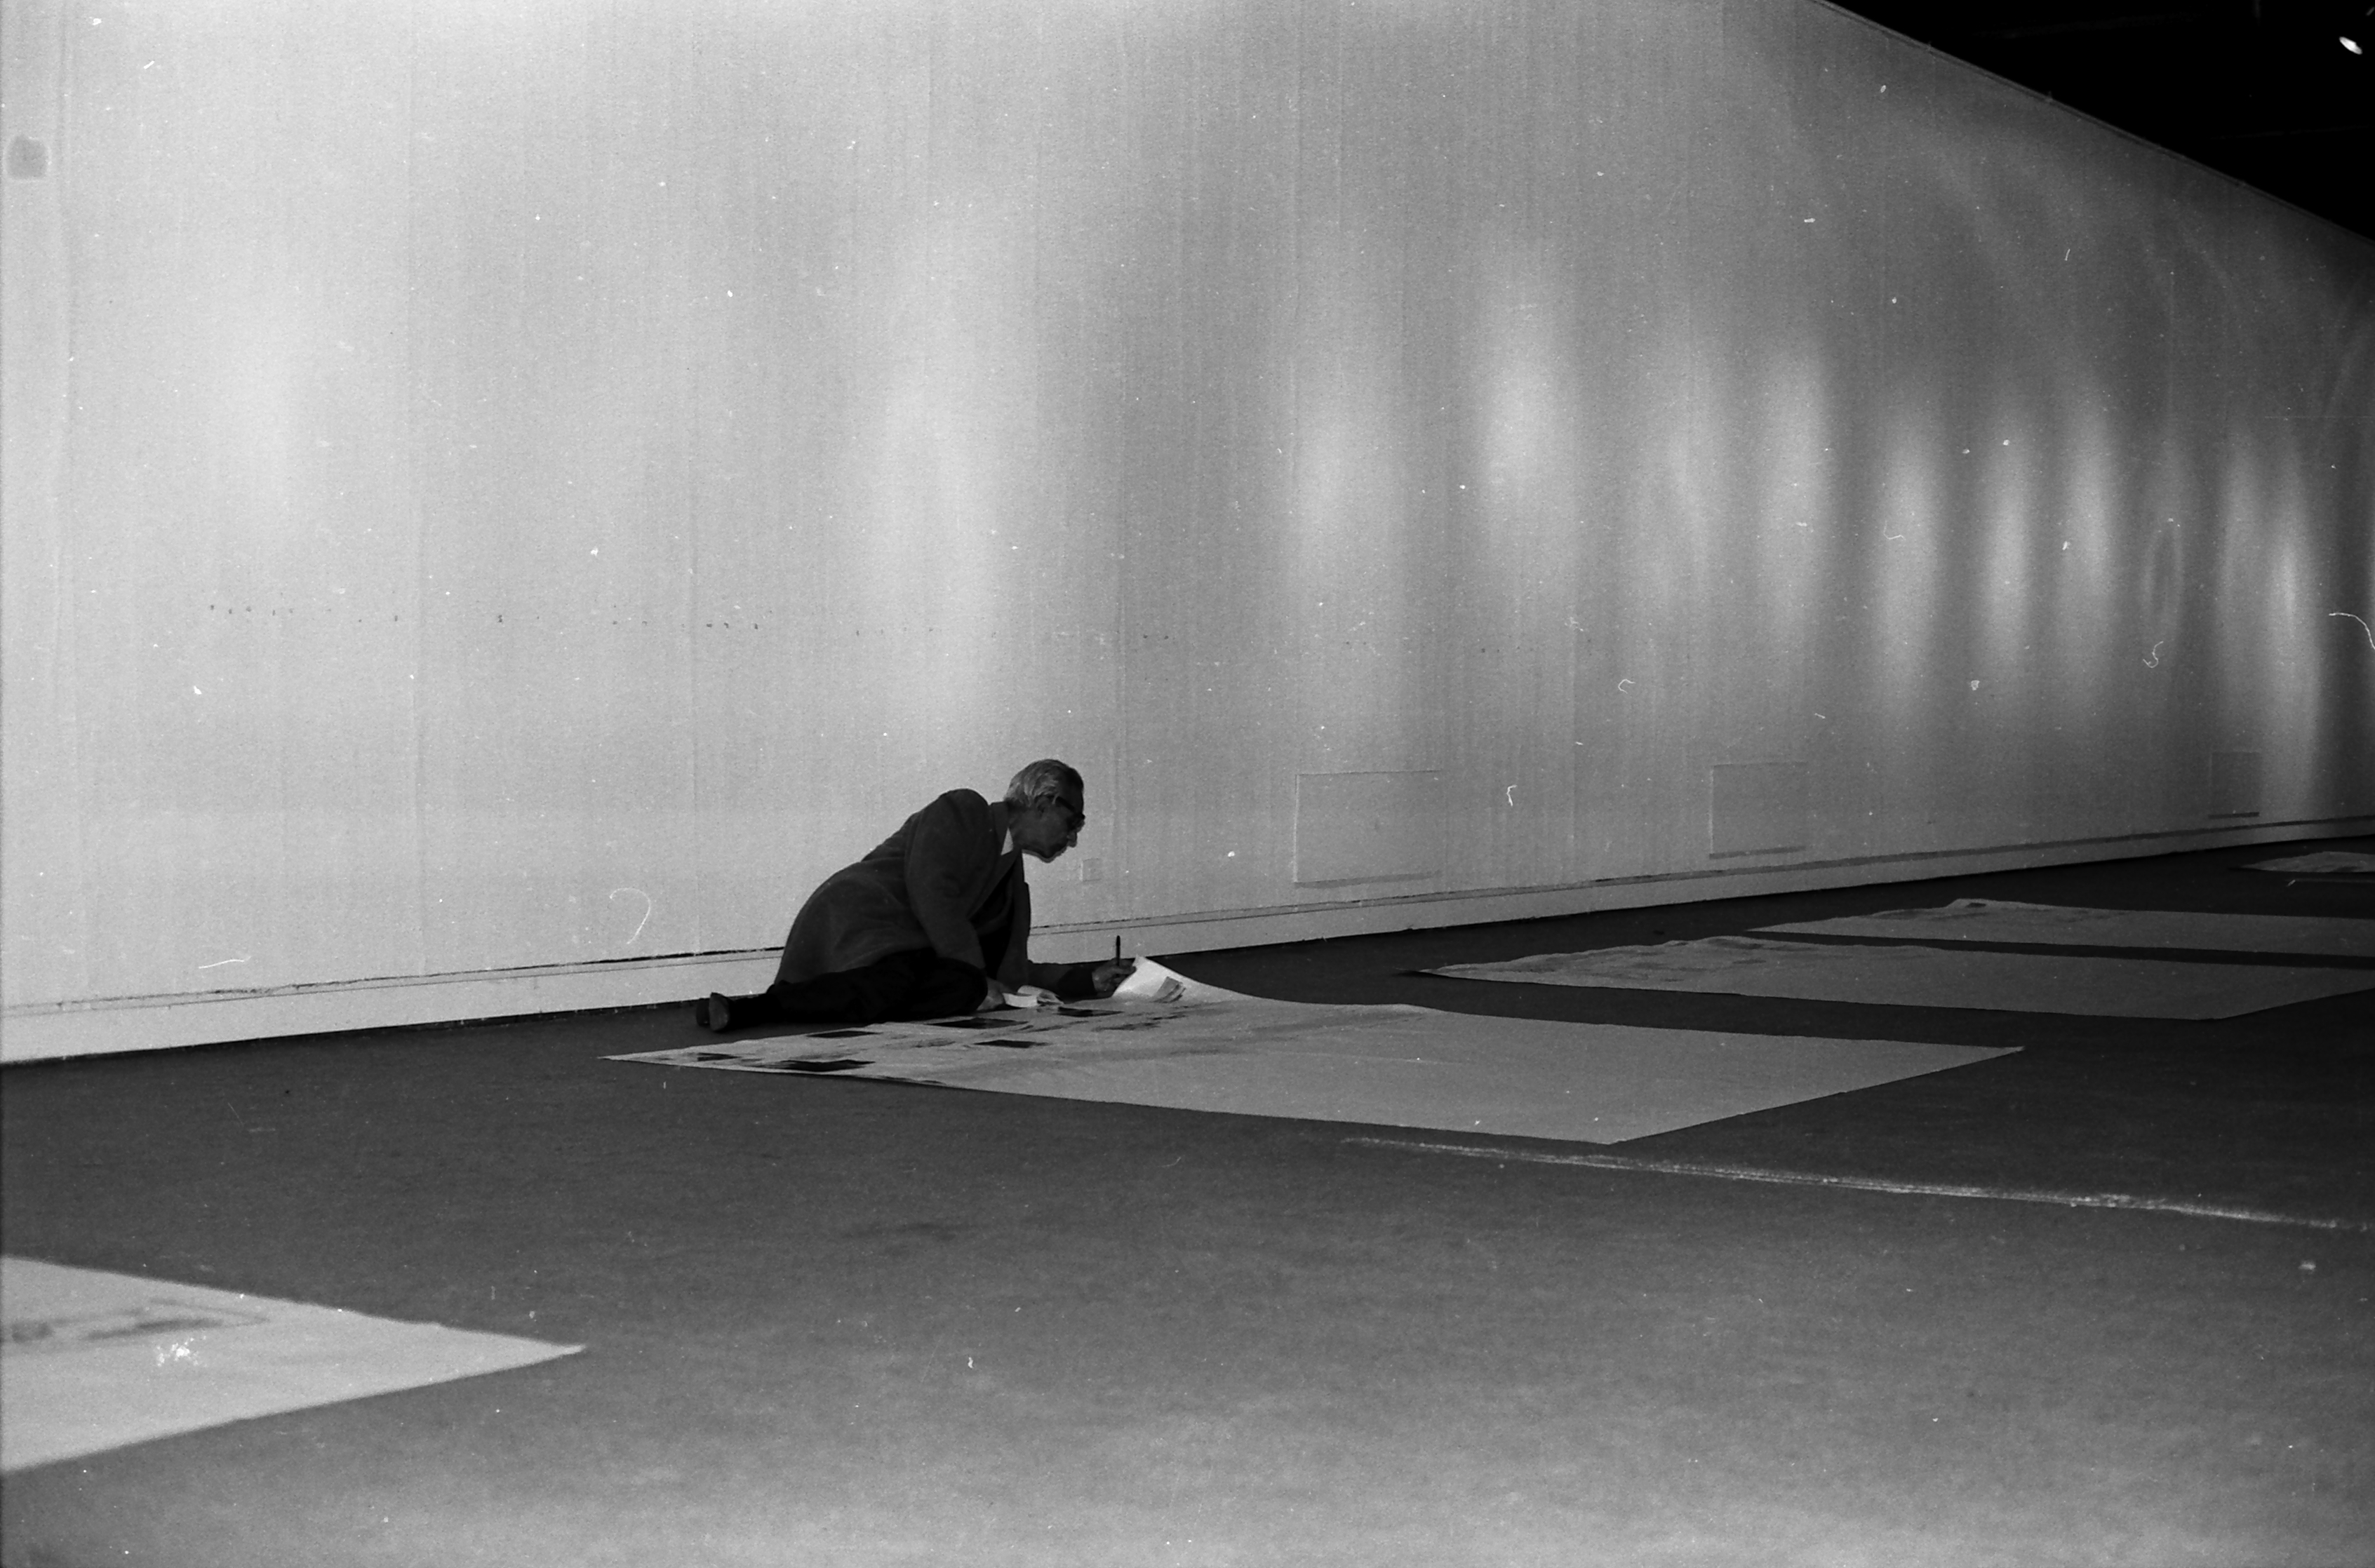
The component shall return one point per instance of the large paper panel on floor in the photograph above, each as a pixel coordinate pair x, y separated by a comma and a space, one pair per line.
1931, 977
1993, 920
1382, 1066
96, 1361
2322, 863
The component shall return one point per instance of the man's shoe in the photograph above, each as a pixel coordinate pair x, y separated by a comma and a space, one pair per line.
714, 1014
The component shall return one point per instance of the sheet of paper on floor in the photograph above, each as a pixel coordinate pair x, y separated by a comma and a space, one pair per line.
1998, 920
2322, 863
95, 1361
1385, 1066
1931, 977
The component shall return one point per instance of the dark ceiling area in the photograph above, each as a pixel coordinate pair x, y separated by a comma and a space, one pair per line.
2279, 93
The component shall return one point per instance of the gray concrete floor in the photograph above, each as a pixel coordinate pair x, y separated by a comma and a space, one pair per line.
835, 1322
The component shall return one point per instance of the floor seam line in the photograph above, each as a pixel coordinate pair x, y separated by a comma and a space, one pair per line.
1867, 1184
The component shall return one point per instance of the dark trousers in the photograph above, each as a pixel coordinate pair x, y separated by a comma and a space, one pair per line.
904, 986
914, 985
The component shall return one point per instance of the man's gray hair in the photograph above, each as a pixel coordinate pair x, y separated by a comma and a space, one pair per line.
1042, 782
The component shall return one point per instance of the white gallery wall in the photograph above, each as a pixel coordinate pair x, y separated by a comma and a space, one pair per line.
498, 487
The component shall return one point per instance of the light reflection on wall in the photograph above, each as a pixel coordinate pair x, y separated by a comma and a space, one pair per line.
2079, 561
936, 554
1796, 468
1521, 539
2171, 526
933, 569
2011, 494
1686, 511
256, 392
1527, 413
2291, 675
1359, 552
1907, 537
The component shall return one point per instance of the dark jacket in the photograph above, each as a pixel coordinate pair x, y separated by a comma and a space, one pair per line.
946, 880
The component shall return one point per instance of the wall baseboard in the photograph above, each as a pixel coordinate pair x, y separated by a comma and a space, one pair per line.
43, 1031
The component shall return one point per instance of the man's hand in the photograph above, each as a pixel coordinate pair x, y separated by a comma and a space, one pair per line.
1106, 977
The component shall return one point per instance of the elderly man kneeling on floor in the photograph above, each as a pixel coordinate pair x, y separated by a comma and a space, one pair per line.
935, 921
